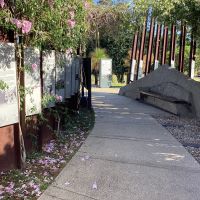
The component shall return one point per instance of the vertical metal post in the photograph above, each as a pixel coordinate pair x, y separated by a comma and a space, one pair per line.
87, 63
172, 46
182, 48
141, 53
164, 45
150, 47
89, 83
17, 143
157, 49
192, 57
133, 57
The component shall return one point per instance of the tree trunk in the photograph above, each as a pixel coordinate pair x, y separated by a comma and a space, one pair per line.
96, 77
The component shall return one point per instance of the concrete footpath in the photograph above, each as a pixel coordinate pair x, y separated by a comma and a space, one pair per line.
128, 156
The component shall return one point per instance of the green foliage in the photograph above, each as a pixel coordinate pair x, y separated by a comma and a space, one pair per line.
96, 56
47, 99
3, 86
117, 20
49, 22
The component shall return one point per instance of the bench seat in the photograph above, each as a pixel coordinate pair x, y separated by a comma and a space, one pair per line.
169, 104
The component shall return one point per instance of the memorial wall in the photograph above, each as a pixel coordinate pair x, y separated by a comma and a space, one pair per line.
49, 75
8, 85
32, 81
68, 76
60, 75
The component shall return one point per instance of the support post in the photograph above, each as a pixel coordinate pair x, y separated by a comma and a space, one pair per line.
157, 49
172, 46
164, 45
182, 48
192, 57
133, 57
141, 53
150, 47
17, 143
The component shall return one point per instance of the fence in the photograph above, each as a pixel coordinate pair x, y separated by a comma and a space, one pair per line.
49, 79
156, 44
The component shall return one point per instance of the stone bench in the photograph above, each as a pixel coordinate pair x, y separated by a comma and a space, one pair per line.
167, 103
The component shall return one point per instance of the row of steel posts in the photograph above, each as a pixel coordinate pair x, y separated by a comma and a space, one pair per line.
154, 43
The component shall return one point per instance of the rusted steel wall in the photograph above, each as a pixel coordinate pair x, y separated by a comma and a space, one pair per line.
8, 159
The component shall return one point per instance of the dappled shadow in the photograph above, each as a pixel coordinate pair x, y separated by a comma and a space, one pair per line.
8, 159
170, 156
32, 80
7, 148
8, 90
7, 55
32, 56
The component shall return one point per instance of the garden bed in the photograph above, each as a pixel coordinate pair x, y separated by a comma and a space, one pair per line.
42, 167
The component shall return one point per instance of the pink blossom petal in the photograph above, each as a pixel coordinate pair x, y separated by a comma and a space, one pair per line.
34, 67
26, 26
59, 98
94, 186
17, 23
67, 183
87, 157
71, 23
86, 5
82, 159
69, 51
2, 3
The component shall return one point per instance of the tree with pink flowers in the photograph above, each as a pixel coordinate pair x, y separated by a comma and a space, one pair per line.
47, 24
58, 24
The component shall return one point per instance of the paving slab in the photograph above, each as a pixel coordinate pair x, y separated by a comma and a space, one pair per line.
145, 152
129, 156
117, 181
134, 131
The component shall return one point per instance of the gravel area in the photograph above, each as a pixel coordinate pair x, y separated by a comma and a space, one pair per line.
186, 131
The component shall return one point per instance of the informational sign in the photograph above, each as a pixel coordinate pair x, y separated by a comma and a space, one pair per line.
8, 86
105, 73
68, 76
32, 81
49, 76
60, 74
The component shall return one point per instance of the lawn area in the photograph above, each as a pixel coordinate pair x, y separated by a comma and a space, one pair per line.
197, 79
115, 83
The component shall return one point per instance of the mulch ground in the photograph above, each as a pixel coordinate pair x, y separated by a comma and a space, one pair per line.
42, 167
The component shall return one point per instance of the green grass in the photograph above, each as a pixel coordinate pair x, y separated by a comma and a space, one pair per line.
115, 83
197, 79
